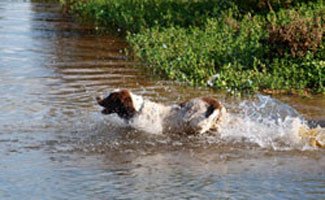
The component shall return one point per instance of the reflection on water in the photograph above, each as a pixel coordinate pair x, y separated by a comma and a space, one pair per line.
54, 143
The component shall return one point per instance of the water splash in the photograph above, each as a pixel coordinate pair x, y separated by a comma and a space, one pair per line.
268, 108
266, 122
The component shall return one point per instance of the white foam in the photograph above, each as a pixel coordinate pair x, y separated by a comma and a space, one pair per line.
267, 122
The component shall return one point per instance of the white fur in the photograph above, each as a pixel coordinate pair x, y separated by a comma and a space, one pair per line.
137, 101
157, 118
151, 116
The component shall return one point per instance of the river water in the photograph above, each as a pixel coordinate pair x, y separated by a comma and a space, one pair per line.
55, 144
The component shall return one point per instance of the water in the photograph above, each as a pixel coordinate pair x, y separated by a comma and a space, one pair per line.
55, 144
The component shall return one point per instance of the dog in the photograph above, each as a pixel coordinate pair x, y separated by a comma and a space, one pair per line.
195, 116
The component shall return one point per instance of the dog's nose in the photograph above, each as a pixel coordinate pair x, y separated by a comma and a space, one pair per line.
99, 100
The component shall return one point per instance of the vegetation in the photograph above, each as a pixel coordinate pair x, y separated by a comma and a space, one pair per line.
237, 45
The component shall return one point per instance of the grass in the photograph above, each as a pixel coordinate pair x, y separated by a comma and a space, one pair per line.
238, 46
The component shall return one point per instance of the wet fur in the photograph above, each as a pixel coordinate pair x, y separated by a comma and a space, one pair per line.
194, 116
118, 102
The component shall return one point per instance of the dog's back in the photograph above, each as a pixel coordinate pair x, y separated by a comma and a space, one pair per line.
151, 117
198, 115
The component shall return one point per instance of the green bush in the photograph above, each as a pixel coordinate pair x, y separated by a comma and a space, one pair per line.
297, 31
136, 15
267, 6
240, 55
232, 45
194, 55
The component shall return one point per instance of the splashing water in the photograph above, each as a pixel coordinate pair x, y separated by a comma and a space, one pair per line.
264, 121
267, 122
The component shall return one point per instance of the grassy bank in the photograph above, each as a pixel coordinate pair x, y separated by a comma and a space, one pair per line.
234, 45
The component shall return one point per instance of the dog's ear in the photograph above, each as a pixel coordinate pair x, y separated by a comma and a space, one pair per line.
209, 111
213, 104
128, 110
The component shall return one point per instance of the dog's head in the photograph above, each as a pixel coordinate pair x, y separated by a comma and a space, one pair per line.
120, 102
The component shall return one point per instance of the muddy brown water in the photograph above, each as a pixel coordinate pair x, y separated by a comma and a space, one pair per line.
54, 143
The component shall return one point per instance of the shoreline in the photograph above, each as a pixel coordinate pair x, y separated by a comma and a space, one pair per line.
235, 49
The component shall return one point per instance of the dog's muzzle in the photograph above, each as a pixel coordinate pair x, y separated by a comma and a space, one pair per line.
100, 100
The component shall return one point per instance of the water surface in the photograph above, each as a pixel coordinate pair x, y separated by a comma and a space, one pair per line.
54, 143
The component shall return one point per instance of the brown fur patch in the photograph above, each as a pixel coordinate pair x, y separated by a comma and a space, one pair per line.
118, 102
212, 101
213, 104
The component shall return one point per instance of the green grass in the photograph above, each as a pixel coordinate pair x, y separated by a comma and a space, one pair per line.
137, 15
230, 46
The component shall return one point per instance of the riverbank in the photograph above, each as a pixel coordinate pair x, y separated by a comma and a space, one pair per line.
238, 47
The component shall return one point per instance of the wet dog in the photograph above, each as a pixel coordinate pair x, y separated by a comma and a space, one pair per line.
198, 115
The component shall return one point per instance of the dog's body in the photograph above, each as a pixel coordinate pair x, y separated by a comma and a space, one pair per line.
195, 116
198, 115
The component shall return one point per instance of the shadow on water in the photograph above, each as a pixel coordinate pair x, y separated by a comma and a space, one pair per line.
53, 136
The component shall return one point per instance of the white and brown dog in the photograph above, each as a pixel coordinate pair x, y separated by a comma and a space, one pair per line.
198, 115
